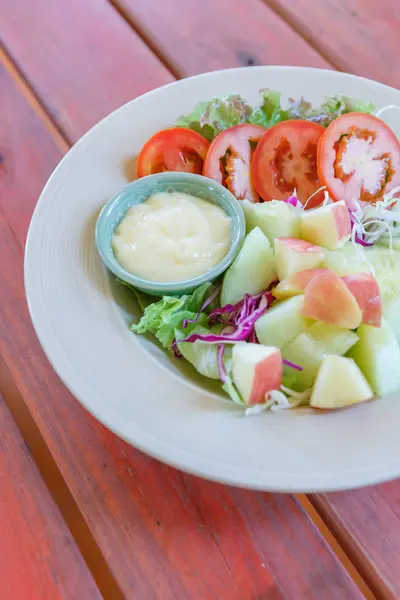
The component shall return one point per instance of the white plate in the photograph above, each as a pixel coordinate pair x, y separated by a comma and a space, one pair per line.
127, 382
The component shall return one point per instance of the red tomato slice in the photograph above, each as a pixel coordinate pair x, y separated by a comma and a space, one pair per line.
175, 149
359, 157
228, 160
286, 159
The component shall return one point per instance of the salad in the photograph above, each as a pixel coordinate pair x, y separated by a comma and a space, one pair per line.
307, 314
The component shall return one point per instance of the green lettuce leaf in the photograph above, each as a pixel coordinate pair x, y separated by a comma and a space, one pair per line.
210, 118
201, 355
330, 109
270, 111
164, 318
230, 388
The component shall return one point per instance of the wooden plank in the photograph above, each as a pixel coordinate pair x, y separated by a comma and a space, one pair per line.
164, 534
39, 556
358, 36
367, 524
81, 58
222, 34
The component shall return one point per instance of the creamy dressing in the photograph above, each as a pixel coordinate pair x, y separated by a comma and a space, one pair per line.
172, 236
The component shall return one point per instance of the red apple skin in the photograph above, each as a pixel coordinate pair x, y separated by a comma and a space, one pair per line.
342, 218
299, 245
328, 299
365, 290
267, 377
295, 284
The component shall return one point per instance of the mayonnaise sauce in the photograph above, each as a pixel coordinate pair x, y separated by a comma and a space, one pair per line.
172, 236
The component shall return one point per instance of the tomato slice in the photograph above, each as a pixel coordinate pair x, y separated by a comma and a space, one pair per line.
286, 159
175, 149
228, 160
359, 158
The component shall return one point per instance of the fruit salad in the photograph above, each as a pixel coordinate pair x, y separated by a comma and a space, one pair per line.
307, 314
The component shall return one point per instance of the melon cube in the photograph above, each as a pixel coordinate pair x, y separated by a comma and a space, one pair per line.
281, 323
377, 354
275, 218
309, 350
252, 271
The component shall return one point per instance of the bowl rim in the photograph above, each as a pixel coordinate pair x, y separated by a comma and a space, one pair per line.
159, 287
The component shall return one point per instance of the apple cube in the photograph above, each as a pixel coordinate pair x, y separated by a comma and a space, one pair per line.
365, 290
339, 383
328, 299
295, 284
328, 226
256, 370
281, 323
293, 255
377, 354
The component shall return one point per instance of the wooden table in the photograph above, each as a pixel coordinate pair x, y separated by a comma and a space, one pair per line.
83, 515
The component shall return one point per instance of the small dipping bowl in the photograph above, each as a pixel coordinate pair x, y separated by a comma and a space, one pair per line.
138, 191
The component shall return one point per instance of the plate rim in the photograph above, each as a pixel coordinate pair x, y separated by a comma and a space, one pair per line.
176, 458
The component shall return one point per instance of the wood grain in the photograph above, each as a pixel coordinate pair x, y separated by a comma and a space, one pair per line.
367, 523
81, 58
358, 36
164, 534
39, 556
196, 37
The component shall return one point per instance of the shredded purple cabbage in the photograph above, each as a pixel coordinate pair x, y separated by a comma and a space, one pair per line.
238, 322
291, 365
240, 334
293, 200
357, 238
175, 349
220, 360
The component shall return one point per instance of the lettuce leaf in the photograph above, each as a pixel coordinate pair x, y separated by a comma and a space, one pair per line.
330, 109
201, 355
164, 318
270, 111
230, 388
210, 118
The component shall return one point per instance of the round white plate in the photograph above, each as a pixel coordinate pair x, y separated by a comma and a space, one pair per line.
151, 400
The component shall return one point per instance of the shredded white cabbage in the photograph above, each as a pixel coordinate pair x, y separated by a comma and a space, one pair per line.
314, 194
277, 400
371, 221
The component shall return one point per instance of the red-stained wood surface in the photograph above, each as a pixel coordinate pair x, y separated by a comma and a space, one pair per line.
367, 524
39, 558
81, 58
197, 36
164, 534
357, 36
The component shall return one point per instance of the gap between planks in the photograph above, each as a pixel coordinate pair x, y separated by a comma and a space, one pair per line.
335, 546
30, 431
302, 32
147, 38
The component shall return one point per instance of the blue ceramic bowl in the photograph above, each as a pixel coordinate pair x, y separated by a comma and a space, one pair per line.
138, 191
